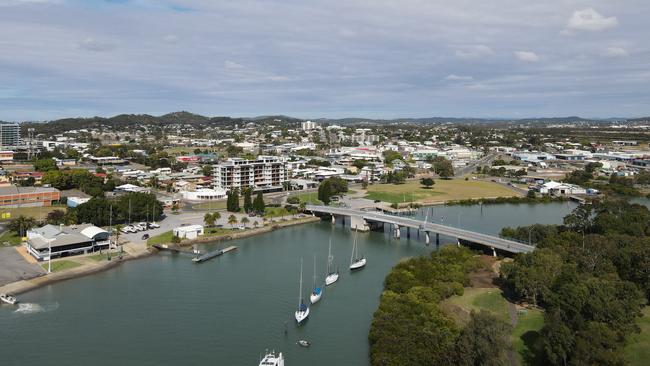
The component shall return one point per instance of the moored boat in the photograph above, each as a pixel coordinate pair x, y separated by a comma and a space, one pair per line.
271, 359
303, 309
356, 262
331, 276
317, 291
6, 298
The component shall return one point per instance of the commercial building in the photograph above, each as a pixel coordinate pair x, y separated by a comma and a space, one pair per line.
6, 156
64, 241
28, 196
266, 173
9, 134
204, 194
308, 125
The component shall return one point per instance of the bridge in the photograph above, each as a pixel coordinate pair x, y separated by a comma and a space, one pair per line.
363, 220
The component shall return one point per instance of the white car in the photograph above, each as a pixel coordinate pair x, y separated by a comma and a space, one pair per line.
128, 229
143, 225
153, 225
137, 227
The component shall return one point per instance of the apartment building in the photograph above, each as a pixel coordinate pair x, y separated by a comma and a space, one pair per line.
266, 173
9, 135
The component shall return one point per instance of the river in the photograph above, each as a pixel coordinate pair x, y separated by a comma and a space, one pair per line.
166, 310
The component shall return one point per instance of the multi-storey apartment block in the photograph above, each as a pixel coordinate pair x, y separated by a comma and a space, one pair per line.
266, 173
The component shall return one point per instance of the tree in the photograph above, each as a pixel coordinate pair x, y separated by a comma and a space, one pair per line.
55, 217
245, 220
443, 167
258, 203
294, 200
359, 163
331, 187
208, 220
232, 220
248, 202
21, 224
427, 182
206, 170
485, 340
531, 194
391, 155
45, 165
533, 274
232, 201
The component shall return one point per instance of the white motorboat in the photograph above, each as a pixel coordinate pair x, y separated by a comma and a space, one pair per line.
271, 359
304, 343
356, 262
303, 309
11, 300
317, 292
331, 276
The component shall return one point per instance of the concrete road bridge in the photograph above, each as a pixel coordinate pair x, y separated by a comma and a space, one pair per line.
366, 220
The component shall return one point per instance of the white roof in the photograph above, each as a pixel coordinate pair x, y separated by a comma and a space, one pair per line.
92, 231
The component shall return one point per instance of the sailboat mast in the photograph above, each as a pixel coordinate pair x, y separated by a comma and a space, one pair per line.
300, 292
354, 247
314, 271
329, 258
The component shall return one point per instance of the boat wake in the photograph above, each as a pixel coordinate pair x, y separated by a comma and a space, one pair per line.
32, 308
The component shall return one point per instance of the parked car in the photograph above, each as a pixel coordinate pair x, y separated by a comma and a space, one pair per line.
128, 229
153, 225
145, 236
137, 227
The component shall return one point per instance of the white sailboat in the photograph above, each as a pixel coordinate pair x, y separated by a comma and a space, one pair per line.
331, 276
355, 261
303, 309
317, 292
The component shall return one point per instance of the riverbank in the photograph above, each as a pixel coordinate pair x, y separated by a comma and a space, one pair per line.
23, 286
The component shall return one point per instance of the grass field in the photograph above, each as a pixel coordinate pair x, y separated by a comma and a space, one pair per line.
270, 212
9, 237
61, 265
477, 299
443, 190
637, 351
526, 333
163, 238
215, 205
309, 198
39, 213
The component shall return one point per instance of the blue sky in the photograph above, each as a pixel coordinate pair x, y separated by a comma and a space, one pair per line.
336, 58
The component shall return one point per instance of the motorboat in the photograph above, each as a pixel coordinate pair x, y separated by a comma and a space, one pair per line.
11, 300
271, 359
331, 275
304, 343
356, 262
303, 309
317, 291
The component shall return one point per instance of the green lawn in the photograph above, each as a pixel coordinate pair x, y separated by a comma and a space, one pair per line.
526, 333
164, 238
215, 205
309, 198
637, 350
477, 299
9, 237
216, 231
443, 190
61, 265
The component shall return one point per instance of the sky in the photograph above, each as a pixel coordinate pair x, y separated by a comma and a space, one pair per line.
331, 59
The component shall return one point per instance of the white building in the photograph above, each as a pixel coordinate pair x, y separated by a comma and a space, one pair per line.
266, 173
204, 194
308, 125
63, 241
561, 189
189, 231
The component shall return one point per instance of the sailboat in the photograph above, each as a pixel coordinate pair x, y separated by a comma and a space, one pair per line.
355, 261
317, 292
331, 276
303, 310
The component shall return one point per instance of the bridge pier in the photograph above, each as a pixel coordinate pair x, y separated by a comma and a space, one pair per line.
333, 220
359, 224
397, 232
494, 252
426, 238
408, 232
437, 239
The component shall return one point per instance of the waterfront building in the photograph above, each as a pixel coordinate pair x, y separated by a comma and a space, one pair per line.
9, 135
65, 240
266, 173
13, 196
204, 194
189, 231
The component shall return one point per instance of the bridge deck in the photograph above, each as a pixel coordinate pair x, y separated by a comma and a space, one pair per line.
468, 235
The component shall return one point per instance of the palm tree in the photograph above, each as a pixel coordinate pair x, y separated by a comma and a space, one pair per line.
245, 220
255, 223
208, 220
232, 220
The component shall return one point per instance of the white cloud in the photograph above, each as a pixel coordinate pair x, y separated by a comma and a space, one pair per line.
170, 38
474, 52
526, 56
232, 65
92, 44
589, 20
454, 77
615, 52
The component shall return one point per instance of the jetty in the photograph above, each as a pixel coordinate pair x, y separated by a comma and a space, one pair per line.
214, 254
172, 248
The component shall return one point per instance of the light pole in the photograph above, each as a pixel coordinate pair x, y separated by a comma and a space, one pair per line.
49, 257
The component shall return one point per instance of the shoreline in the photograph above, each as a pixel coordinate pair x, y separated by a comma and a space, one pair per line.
23, 286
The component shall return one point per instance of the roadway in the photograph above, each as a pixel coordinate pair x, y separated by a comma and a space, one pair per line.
462, 234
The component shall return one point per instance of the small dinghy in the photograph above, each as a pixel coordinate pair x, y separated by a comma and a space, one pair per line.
304, 343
